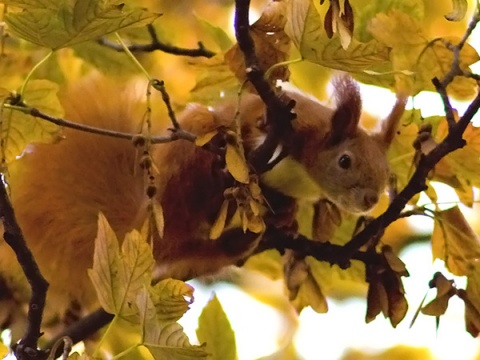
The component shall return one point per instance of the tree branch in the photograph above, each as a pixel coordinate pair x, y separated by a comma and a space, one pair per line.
27, 347
156, 44
82, 329
417, 183
279, 114
176, 133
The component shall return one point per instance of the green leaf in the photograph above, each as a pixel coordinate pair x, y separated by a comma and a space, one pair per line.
215, 330
164, 339
215, 81
58, 24
171, 298
136, 270
106, 265
305, 28
118, 277
109, 62
217, 34
20, 130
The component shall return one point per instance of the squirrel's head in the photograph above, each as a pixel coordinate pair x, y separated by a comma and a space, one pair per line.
350, 165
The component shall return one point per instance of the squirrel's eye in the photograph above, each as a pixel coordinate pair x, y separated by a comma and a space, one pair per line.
344, 161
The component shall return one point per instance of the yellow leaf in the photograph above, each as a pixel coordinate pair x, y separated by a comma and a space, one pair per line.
64, 23
310, 294
236, 163
171, 298
454, 241
269, 263
215, 330
305, 27
216, 33
463, 163
472, 302
215, 81
397, 28
401, 152
117, 277
158, 218
19, 129
106, 265
164, 339
217, 228
256, 224
205, 138
271, 43
3, 350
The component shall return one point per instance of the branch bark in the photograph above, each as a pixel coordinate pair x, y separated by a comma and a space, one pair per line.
27, 347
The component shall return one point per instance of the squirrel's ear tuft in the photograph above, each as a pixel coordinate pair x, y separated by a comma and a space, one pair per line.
390, 124
349, 107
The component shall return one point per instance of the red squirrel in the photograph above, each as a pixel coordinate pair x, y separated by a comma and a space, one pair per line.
59, 189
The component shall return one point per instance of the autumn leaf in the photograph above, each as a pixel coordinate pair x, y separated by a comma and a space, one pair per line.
118, 276
302, 284
472, 300
157, 219
171, 298
269, 263
19, 129
454, 241
217, 228
217, 34
3, 350
271, 43
57, 24
463, 164
385, 292
413, 51
204, 139
215, 330
164, 339
304, 26
236, 163
215, 81
339, 19
445, 290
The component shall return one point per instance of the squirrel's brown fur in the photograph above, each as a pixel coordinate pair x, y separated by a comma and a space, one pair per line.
59, 189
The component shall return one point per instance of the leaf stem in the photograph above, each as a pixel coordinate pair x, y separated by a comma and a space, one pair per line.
280, 64
30, 74
132, 57
104, 336
125, 352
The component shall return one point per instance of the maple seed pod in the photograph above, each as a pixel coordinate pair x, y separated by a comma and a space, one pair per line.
138, 140
151, 191
146, 162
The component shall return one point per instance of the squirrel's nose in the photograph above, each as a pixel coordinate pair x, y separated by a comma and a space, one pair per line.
370, 198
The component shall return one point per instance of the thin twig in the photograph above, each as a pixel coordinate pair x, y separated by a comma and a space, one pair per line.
155, 45
27, 347
82, 329
176, 134
159, 85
